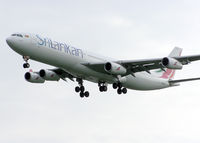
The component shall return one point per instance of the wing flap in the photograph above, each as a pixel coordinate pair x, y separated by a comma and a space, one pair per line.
63, 74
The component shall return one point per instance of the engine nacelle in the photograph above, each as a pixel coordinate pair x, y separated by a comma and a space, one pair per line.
171, 63
33, 77
114, 68
49, 75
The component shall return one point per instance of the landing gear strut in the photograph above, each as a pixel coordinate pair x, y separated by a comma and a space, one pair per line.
81, 89
26, 64
120, 89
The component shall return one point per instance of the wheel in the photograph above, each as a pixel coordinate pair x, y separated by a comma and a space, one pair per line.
87, 94
119, 91
77, 89
101, 88
105, 88
25, 65
119, 85
28, 65
81, 94
115, 85
82, 88
124, 90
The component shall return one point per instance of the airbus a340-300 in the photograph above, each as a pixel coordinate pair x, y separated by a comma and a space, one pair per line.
78, 65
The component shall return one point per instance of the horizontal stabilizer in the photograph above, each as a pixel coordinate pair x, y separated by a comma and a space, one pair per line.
183, 80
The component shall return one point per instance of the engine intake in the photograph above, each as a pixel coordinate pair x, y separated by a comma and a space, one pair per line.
33, 77
171, 63
49, 75
114, 68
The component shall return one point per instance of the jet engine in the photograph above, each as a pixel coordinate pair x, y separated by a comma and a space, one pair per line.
33, 77
171, 63
114, 68
49, 75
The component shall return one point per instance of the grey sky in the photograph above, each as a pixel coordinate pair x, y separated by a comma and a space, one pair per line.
53, 112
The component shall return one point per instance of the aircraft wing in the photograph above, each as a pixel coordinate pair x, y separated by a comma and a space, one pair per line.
143, 64
150, 64
63, 74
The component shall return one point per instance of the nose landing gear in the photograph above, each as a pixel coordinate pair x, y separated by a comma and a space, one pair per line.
26, 64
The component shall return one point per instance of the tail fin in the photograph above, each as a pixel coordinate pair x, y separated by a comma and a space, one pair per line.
169, 73
176, 52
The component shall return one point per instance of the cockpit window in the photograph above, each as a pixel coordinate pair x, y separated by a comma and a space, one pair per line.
18, 35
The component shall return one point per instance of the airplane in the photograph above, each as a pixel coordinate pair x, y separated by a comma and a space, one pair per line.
79, 65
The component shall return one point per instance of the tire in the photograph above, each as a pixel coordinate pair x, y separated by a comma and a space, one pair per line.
124, 90
115, 85
105, 88
81, 94
119, 91
82, 88
87, 94
101, 89
119, 85
25, 65
77, 89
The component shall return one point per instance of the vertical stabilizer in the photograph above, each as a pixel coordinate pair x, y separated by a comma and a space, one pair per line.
176, 52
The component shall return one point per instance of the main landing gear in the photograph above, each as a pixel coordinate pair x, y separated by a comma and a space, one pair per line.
26, 64
102, 87
81, 89
119, 88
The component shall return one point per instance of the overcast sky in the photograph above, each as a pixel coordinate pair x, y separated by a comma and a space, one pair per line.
124, 29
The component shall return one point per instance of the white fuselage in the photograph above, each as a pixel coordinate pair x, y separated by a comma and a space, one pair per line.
71, 60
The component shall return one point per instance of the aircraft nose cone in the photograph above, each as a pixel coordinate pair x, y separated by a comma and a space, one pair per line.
9, 41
